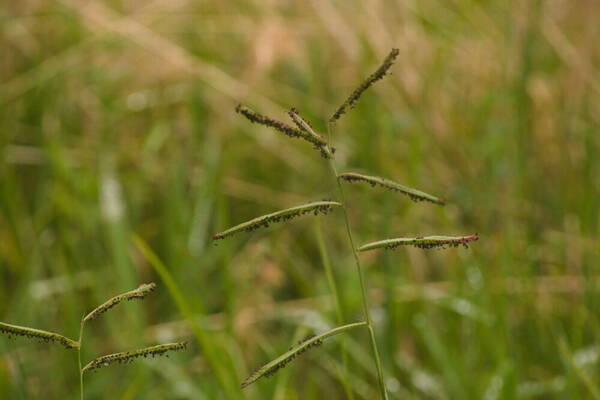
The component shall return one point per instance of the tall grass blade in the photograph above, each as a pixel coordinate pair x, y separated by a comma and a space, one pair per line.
367, 83
141, 292
127, 357
280, 362
317, 207
216, 357
426, 242
31, 333
414, 194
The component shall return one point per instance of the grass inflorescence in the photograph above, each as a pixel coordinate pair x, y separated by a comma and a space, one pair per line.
305, 126
139, 293
282, 364
414, 194
422, 242
127, 357
316, 140
264, 221
306, 131
367, 83
31, 333
282, 361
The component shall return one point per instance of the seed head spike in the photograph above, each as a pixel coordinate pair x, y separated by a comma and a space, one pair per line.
141, 292
380, 73
127, 357
427, 242
316, 140
31, 333
317, 207
280, 362
414, 194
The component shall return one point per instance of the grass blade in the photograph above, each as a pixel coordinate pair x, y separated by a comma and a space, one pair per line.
317, 207
141, 292
367, 83
216, 356
426, 242
31, 333
414, 194
126, 357
273, 366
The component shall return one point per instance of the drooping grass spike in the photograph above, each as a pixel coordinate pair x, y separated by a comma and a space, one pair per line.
317, 141
280, 362
367, 83
139, 293
127, 357
414, 194
426, 242
31, 333
317, 207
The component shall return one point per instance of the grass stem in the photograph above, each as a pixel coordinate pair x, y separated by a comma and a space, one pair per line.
359, 271
79, 360
338, 307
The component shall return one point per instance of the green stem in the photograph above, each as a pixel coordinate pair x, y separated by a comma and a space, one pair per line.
79, 359
329, 272
359, 270
338, 307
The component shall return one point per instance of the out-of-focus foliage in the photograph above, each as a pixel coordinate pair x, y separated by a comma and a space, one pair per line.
117, 119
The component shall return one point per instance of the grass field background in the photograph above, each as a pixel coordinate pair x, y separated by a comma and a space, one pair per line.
121, 154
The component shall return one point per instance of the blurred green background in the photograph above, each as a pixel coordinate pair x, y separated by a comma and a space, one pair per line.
121, 154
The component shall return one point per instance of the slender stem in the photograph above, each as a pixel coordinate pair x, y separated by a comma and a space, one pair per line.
329, 272
344, 378
79, 359
359, 270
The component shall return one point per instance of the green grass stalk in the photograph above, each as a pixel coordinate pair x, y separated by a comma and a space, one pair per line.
79, 360
359, 271
338, 306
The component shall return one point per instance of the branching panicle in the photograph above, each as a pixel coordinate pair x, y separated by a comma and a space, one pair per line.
141, 292
258, 118
316, 208
31, 333
127, 357
367, 83
303, 129
316, 140
414, 194
305, 126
